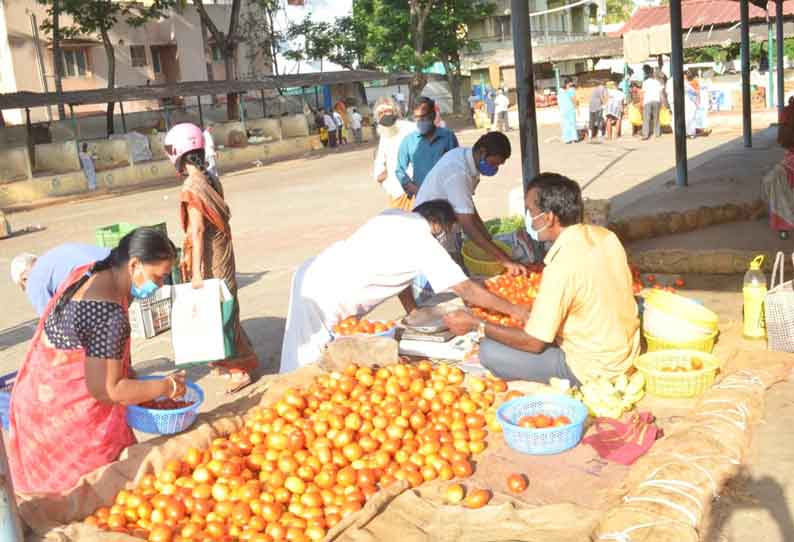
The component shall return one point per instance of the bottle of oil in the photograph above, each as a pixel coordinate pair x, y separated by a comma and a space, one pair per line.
754, 292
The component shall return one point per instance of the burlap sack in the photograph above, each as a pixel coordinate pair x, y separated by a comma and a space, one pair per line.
363, 351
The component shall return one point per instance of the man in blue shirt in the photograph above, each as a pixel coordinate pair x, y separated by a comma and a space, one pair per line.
423, 148
41, 277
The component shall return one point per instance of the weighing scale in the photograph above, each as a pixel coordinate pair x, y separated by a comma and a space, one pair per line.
425, 335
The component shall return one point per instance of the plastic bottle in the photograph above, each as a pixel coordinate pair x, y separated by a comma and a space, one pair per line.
754, 292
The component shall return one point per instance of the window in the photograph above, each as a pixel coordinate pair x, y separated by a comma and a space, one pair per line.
74, 62
138, 55
217, 56
156, 64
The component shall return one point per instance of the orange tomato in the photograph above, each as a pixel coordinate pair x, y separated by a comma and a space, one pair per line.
517, 483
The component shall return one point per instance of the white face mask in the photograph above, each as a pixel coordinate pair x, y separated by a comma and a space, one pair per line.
528, 220
441, 237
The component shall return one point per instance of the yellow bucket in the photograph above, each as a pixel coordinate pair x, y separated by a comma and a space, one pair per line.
682, 308
478, 262
689, 383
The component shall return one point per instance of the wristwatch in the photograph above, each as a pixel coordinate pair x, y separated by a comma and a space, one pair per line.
481, 331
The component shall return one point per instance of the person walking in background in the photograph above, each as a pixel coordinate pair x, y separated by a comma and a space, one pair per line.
598, 100
651, 104
207, 251
615, 102
423, 148
635, 108
501, 105
392, 129
355, 124
490, 107
473, 101
210, 154
568, 103
330, 125
89, 168
340, 125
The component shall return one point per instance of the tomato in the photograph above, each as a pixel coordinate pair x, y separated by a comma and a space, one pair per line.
477, 498
161, 533
517, 483
561, 421
462, 468
679, 283
454, 493
527, 422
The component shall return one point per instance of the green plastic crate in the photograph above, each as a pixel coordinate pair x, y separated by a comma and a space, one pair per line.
110, 236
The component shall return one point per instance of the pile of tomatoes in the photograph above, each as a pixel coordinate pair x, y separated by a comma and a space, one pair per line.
520, 290
542, 421
165, 404
354, 326
316, 455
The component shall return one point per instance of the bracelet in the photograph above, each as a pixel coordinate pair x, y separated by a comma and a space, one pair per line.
173, 386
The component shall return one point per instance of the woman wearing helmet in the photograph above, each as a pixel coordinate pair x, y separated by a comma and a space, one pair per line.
207, 251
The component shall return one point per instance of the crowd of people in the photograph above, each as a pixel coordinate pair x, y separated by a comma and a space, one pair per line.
648, 107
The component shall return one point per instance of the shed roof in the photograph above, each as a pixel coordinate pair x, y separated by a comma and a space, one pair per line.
22, 100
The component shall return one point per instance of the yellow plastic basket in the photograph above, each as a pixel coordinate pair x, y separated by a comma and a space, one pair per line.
689, 383
706, 344
478, 262
682, 308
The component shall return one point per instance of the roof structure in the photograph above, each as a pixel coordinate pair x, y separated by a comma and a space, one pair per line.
596, 47
697, 13
22, 100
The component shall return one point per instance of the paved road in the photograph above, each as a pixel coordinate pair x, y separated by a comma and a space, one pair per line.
286, 212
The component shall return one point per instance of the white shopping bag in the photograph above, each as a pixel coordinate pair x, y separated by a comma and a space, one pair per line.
200, 322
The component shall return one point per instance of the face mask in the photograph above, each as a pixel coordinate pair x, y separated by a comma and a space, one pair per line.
388, 120
143, 291
487, 169
424, 126
441, 237
528, 220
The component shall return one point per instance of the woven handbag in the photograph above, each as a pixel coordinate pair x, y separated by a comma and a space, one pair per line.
779, 310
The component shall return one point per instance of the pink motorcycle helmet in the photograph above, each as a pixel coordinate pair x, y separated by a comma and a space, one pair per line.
181, 139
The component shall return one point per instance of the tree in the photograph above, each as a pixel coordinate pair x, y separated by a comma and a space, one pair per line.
228, 43
340, 42
619, 11
449, 25
53, 23
98, 17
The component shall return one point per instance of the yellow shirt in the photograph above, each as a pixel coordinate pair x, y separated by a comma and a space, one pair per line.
586, 303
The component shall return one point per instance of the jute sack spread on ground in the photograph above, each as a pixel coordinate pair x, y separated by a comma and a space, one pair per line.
363, 351
51, 515
669, 491
404, 515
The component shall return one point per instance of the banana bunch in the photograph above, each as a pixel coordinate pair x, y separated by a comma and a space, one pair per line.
611, 399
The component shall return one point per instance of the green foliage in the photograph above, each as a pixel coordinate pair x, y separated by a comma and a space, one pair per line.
98, 16
619, 11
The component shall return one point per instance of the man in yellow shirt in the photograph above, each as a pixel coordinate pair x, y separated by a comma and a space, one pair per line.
584, 323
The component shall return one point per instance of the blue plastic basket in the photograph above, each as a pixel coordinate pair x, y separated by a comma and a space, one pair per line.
166, 422
551, 440
6, 384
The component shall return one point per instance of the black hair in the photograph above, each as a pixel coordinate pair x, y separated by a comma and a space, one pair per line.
429, 102
439, 211
559, 195
198, 159
149, 245
495, 144
85, 147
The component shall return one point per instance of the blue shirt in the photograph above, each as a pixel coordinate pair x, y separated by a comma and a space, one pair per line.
422, 154
55, 266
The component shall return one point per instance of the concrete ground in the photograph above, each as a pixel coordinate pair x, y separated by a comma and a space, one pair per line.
286, 212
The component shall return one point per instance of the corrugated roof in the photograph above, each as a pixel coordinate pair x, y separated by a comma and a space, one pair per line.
596, 47
697, 13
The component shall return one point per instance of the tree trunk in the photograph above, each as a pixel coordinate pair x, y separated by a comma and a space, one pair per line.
232, 98
111, 60
57, 58
454, 82
419, 15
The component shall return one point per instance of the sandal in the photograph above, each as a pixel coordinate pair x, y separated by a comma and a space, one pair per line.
238, 378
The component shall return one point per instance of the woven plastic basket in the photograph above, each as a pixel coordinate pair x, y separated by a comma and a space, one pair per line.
779, 309
690, 383
166, 422
682, 308
478, 262
704, 344
109, 236
552, 440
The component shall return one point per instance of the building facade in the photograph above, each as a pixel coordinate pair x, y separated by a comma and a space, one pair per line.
172, 49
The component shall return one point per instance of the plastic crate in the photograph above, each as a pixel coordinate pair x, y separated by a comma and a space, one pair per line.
551, 440
110, 236
150, 317
677, 384
166, 422
6, 384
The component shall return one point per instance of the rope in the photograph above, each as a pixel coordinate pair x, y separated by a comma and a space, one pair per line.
664, 502
670, 485
623, 536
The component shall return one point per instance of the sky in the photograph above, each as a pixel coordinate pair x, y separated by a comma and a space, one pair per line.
320, 10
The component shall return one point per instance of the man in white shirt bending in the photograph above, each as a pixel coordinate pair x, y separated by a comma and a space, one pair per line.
455, 178
651, 104
355, 124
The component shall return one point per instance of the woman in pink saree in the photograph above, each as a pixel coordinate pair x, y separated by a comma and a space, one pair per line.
777, 186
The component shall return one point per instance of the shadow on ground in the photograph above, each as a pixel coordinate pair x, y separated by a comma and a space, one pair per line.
247, 279
266, 334
746, 492
17, 334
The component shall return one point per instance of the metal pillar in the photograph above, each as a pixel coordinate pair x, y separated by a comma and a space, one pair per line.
770, 99
167, 114
123, 118
677, 72
201, 112
781, 91
557, 79
241, 105
264, 102
744, 13
525, 83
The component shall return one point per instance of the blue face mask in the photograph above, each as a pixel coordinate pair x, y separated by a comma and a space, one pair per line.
528, 220
144, 291
487, 169
424, 126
